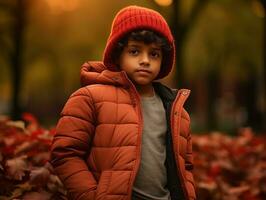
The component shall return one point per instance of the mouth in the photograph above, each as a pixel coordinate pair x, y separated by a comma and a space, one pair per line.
143, 71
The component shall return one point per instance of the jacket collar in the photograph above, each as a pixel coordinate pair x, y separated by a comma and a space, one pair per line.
96, 73
164, 92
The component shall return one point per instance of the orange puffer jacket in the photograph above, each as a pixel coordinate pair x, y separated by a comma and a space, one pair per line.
97, 147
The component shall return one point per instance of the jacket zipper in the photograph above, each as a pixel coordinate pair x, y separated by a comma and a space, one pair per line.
176, 144
139, 140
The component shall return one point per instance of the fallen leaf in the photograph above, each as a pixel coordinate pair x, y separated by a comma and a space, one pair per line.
238, 190
16, 167
25, 146
39, 176
16, 124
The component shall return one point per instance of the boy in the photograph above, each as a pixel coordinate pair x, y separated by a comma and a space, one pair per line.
122, 135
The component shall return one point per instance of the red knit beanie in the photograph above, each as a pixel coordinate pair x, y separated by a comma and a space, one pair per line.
133, 18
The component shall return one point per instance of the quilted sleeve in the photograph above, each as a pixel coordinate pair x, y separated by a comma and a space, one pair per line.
71, 144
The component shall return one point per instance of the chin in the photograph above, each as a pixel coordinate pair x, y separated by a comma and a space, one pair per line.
143, 81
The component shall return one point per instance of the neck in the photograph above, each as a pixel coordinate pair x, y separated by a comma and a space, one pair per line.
145, 90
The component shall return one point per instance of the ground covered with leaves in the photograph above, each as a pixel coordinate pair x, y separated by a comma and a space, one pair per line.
226, 167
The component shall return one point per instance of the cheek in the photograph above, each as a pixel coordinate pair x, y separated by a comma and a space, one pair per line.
121, 62
158, 67
124, 65
128, 64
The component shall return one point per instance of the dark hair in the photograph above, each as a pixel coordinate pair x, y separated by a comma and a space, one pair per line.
142, 35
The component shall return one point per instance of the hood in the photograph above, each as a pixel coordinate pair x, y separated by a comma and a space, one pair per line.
95, 72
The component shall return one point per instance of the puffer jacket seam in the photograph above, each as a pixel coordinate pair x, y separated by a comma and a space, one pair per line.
116, 114
183, 136
96, 85
90, 95
74, 174
79, 95
67, 136
190, 182
185, 118
74, 116
90, 190
111, 102
110, 178
93, 107
116, 123
94, 161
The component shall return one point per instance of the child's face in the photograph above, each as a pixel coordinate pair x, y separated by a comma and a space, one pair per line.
141, 61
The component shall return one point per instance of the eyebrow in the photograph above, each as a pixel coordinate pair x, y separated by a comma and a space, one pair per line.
138, 46
133, 45
157, 49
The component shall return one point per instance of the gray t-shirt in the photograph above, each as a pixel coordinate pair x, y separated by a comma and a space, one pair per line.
151, 179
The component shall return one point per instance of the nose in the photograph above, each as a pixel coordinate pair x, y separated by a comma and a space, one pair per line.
144, 60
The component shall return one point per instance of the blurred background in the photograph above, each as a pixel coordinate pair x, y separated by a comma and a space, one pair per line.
220, 56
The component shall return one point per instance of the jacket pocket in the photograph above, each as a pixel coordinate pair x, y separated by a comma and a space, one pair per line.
103, 185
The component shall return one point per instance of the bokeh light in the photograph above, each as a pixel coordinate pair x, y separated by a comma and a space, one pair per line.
58, 6
164, 2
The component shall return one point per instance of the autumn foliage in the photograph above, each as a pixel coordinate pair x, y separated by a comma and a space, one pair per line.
230, 168
25, 172
226, 168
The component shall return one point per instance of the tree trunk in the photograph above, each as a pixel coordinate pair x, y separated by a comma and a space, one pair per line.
180, 31
264, 73
16, 56
175, 27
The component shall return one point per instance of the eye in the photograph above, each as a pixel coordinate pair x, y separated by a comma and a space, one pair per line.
133, 51
155, 54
